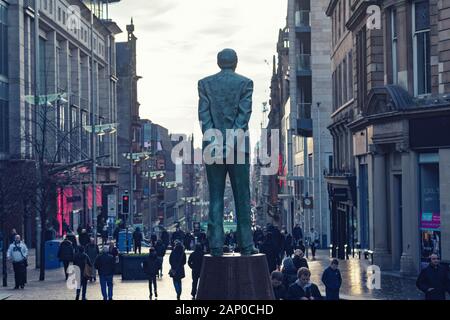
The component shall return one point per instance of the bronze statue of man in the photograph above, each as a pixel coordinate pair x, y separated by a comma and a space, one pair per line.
225, 104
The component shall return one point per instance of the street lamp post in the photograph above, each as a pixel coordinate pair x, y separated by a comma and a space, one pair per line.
93, 135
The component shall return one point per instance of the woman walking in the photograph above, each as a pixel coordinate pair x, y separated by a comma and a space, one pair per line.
177, 261
81, 260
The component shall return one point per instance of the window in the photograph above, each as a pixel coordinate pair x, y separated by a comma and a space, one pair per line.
45, 4
59, 14
3, 41
421, 47
394, 46
344, 81
361, 72
51, 6
350, 75
4, 117
84, 135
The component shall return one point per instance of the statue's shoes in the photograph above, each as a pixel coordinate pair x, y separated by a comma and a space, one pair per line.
249, 252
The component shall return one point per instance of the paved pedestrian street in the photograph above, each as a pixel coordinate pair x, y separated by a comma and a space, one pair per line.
393, 287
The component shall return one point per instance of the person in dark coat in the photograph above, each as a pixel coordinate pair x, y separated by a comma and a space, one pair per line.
151, 267
65, 254
92, 251
73, 239
195, 263
258, 236
83, 238
332, 280
160, 253
106, 264
299, 260
165, 238
137, 240
433, 281
50, 233
302, 288
289, 272
116, 234
153, 239
177, 261
288, 245
279, 289
270, 250
297, 234
177, 235
188, 239
81, 259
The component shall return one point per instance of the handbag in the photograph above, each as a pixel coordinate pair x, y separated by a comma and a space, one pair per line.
172, 273
87, 271
25, 260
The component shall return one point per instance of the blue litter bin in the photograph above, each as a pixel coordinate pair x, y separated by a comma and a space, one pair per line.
51, 255
122, 245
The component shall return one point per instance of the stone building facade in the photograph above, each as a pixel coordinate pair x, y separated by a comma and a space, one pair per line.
66, 101
391, 140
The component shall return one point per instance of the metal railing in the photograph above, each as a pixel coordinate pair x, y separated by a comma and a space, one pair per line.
303, 18
304, 62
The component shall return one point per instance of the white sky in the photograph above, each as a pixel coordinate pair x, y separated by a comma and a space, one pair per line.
178, 41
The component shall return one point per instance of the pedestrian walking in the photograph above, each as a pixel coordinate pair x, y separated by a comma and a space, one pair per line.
302, 288
289, 245
83, 238
270, 250
289, 272
82, 261
151, 267
18, 254
92, 251
105, 264
279, 289
297, 234
137, 240
177, 261
433, 281
299, 260
314, 242
332, 280
195, 263
160, 249
65, 254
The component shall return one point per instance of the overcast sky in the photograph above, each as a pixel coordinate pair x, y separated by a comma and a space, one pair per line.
178, 41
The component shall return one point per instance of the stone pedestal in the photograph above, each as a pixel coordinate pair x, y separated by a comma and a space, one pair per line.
235, 277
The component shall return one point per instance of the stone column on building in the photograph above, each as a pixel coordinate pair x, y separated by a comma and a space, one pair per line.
382, 257
444, 190
409, 213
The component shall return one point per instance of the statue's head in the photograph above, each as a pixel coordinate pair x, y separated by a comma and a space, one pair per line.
227, 59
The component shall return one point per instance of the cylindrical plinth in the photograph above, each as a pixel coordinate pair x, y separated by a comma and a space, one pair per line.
235, 277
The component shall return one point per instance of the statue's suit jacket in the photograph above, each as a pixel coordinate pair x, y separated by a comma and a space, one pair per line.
225, 102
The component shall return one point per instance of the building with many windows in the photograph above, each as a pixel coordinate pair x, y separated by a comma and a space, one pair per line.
71, 98
304, 98
389, 188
